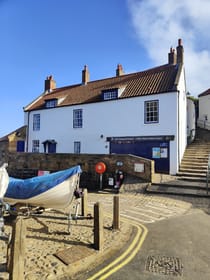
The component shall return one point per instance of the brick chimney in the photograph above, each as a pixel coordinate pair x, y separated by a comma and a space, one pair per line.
50, 84
172, 56
119, 70
180, 52
85, 75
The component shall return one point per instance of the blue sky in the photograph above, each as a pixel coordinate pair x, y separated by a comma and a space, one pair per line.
58, 37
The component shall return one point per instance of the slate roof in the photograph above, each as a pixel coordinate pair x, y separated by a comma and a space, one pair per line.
157, 80
206, 92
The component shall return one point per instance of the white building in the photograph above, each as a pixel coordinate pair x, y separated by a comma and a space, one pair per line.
204, 110
143, 113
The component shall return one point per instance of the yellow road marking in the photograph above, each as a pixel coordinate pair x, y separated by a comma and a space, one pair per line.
132, 250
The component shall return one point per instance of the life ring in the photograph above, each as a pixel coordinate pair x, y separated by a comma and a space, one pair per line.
100, 167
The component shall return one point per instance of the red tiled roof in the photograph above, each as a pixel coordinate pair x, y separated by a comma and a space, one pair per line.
160, 79
206, 92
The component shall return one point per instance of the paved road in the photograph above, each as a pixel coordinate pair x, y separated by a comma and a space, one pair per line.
142, 208
177, 243
175, 249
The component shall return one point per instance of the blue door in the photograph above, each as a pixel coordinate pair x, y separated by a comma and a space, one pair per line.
152, 149
20, 146
51, 148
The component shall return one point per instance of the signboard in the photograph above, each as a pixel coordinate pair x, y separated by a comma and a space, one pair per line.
100, 167
155, 152
139, 167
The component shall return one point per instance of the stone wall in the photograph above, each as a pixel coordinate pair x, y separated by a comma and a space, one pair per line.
25, 165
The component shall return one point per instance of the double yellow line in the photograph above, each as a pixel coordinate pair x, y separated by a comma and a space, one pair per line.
127, 256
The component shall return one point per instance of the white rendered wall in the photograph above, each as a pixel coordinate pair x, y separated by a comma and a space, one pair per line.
182, 118
191, 118
204, 112
124, 117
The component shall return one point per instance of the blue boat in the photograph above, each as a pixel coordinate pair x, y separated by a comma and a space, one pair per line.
54, 190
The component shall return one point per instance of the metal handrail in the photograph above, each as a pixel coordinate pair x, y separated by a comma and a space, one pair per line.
208, 175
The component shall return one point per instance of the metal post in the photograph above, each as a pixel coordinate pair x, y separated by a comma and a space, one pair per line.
101, 177
84, 203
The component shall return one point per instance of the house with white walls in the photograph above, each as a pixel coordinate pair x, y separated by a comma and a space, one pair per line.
204, 109
142, 113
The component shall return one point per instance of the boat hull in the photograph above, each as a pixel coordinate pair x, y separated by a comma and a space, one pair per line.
55, 190
59, 197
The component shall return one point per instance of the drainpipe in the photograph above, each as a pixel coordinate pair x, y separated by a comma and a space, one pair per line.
27, 132
178, 97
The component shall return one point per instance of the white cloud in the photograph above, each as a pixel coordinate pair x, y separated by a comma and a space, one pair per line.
159, 24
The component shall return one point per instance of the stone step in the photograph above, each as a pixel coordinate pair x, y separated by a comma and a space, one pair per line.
196, 153
192, 179
195, 159
178, 190
191, 174
191, 165
192, 171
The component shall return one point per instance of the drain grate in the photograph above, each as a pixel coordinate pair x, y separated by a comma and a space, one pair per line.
164, 265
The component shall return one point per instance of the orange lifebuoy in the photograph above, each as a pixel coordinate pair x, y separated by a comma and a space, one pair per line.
100, 167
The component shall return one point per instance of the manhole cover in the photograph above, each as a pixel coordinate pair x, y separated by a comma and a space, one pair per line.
164, 265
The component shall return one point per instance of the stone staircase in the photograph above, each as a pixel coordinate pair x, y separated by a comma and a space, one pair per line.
195, 161
191, 178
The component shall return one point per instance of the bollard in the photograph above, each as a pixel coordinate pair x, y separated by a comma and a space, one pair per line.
17, 254
84, 206
116, 213
98, 227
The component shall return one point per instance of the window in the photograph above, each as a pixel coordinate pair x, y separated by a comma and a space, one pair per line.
109, 94
151, 111
35, 146
36, 122
52, 103
77, 147
77, 118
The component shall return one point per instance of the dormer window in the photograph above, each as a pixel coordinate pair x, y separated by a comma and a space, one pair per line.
109, 94
51, 103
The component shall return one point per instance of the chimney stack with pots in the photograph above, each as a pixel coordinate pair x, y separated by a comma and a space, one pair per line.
180, 52
85, 75
119, 70
50, 84
172, 56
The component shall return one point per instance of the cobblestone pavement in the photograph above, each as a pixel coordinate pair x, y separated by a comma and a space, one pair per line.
147, 208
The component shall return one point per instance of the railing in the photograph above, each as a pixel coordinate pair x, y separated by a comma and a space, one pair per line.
203, 124
208, 175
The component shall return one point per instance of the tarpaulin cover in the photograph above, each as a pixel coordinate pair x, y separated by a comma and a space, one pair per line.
27, 188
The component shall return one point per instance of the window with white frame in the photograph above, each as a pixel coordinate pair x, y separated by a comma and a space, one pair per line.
36, 122
77, 147
151, 111
35, 146
110, 94
51, 103
77, 118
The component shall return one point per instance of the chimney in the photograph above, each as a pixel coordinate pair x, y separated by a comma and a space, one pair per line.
50, 84
85, 75
180, 52
172, 56
119, 70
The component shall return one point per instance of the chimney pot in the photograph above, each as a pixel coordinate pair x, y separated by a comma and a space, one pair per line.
119, 70
85, 75
180, 42
180, 52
